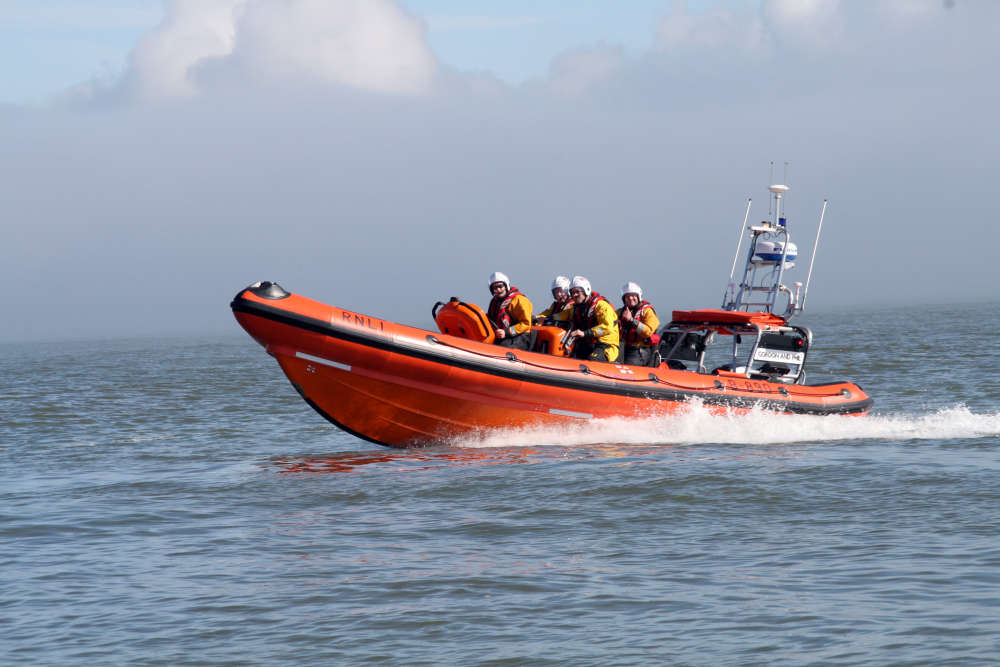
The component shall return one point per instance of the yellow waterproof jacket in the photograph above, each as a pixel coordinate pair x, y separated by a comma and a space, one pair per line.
561, 316
637, 332
606, 330
601, 320
511, 313
519, 311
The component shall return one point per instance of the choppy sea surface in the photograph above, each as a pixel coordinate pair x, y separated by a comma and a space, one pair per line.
174, 502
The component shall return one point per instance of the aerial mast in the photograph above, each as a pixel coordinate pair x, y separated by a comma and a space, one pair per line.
769, 255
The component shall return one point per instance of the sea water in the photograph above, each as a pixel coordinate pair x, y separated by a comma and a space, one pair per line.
174, 502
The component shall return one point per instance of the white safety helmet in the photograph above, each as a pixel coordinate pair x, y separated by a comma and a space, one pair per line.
582, 283
631, 288
560, 282
497, 277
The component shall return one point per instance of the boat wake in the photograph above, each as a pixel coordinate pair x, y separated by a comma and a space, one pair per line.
696, 425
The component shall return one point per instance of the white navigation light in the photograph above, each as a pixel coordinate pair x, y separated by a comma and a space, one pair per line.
779, 189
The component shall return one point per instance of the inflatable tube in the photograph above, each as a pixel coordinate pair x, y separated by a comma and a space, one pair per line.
402, 386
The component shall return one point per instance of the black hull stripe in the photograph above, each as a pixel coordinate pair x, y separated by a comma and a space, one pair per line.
289, 318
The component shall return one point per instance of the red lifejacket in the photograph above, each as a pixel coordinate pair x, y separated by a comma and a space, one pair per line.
498, 309
630, 330
584, 317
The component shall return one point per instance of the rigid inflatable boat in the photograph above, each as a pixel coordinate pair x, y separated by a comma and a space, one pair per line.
402, 386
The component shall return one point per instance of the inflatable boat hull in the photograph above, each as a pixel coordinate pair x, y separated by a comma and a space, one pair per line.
400, 386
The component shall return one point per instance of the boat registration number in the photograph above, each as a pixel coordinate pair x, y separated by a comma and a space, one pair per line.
748, 385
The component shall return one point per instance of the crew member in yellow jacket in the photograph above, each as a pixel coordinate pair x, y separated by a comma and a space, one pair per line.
558, 314
594, 323
638, 327
509, 313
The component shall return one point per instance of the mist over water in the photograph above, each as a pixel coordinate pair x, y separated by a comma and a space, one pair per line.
174, 501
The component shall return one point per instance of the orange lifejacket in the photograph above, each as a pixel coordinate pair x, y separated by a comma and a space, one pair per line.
630, 329
498, 309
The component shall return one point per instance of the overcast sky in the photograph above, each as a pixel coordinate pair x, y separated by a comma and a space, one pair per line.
380, 156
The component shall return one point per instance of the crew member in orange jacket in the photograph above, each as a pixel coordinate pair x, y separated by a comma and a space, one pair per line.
594, 323
639, 323
558, 314
509, 313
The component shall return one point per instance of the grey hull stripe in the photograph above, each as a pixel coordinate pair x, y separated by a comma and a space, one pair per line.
321, 360
570, 413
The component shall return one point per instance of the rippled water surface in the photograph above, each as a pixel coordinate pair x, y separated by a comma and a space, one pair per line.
175, 502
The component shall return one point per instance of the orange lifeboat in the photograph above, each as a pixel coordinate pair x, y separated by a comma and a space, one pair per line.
401, 386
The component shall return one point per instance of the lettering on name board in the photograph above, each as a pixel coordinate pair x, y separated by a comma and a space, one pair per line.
780, 356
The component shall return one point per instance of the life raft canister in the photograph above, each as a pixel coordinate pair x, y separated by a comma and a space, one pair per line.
465, 320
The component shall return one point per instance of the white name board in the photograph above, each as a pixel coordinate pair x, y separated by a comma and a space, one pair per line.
780, 356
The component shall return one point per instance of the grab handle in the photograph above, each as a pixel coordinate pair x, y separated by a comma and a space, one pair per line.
437, 306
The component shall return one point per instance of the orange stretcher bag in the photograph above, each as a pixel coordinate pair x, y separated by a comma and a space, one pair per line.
465, 320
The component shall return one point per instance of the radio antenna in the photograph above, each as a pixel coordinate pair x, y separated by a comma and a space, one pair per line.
730, 295
770, 200
812, 259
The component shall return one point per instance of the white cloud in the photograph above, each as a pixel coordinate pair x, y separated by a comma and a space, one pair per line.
366, 44
815, 23
907, 10
717, 29
482, 22
801, 23
194, 30
575, 71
